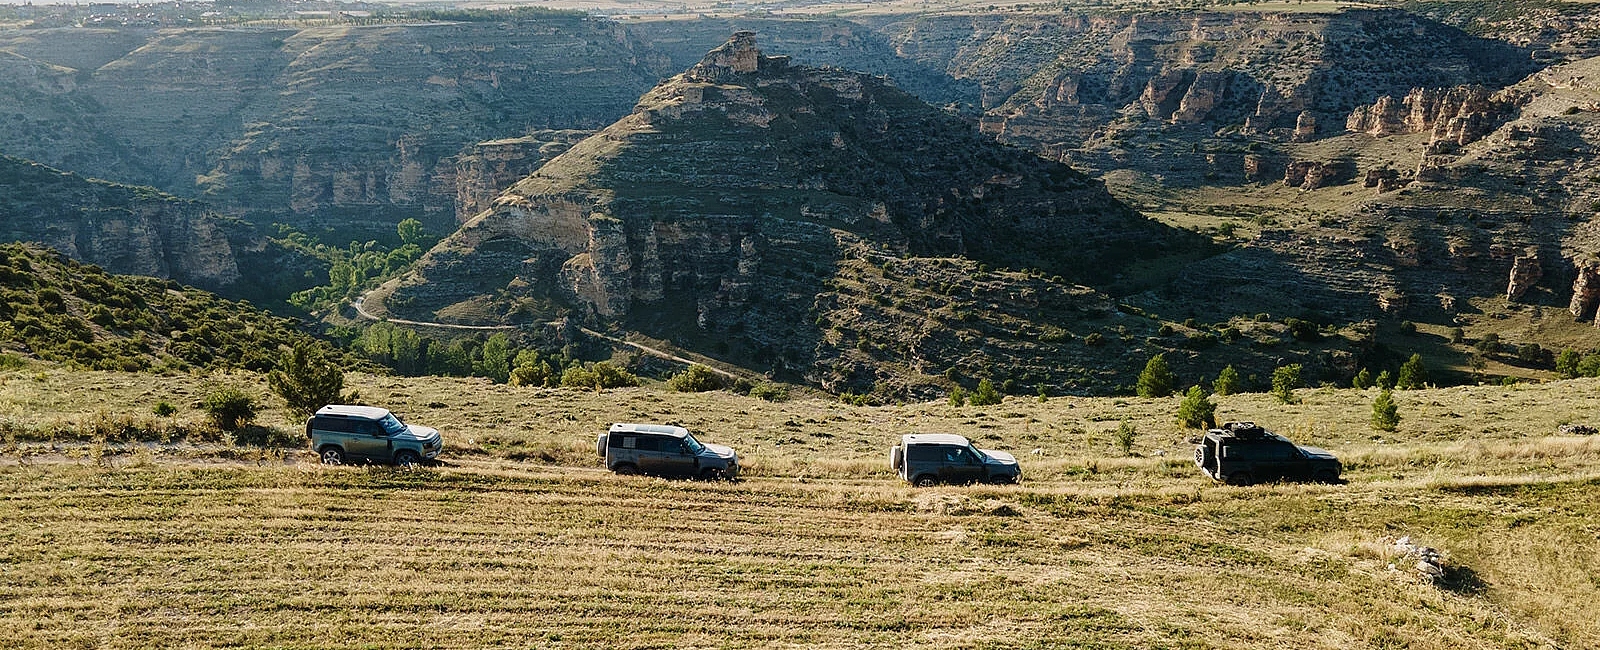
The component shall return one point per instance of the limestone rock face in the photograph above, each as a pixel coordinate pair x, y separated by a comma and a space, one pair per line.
1585, 291
1525, 273
733, 187
486, 169
125, 229
1456, 116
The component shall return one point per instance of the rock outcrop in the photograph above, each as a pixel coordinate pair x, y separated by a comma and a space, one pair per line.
129, 230
1585, 290
1452, 116
486, 169
1525, 273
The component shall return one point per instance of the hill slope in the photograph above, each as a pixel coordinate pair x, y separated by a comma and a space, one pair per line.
737, 195
57, 309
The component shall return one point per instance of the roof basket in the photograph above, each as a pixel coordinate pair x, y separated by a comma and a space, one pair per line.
1245, 429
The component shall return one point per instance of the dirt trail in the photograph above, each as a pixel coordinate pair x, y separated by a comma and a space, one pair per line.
360, 305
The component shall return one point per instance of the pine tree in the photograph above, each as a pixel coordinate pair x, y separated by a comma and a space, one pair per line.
1197, 410
1284, 380
958, 397
1157, 379
986, 395
1385, 380
1227, 382
306, 381
1363, 379
1412, 374
1385, 414
1125, 436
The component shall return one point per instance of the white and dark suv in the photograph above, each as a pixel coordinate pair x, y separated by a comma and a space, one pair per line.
662, 450
342, 434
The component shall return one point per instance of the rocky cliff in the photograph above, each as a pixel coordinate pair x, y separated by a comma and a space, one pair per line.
486, 169
345, 126
729, 200
139, 231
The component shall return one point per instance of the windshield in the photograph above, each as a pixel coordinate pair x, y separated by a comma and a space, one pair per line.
981, 457
694, 445
392, 424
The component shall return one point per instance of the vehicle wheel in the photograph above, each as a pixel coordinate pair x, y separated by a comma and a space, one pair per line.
1327, 476
926, 480
626, 469
1240, 478
332, 455
711, 474
407, 459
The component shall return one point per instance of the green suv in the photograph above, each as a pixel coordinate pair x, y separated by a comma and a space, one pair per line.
341, 434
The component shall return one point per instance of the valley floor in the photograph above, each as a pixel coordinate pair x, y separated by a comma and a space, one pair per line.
520, 539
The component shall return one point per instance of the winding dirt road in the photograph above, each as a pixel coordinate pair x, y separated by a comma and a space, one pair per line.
360, 305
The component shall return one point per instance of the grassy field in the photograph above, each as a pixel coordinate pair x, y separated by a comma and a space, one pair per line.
520, 539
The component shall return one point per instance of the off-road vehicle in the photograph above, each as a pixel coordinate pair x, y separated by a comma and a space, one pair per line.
341, 434
662, 450
1242, 453
927, 459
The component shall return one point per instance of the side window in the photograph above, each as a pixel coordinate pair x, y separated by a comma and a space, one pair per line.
339, 425
957, 455
924, 453
1285, 452
624, 442
368, 427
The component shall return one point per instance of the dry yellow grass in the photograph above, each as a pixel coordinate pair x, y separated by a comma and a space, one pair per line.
522, 540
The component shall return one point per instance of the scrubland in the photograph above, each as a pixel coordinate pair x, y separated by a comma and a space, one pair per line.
519, 538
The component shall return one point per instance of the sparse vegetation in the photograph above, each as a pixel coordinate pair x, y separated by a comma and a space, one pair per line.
1125, 435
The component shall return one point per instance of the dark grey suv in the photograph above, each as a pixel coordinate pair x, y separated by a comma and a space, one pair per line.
1242, 453
664, 450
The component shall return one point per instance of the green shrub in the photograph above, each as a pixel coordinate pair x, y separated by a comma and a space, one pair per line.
164, 409
1094, 340
1303, 330
534, 373
1413, 375
1489, 344
1457, 335
1125, 436
986, 395
1156, 380
1567, 364
1166, 329
1385, 414
958, 397
609, 376
230, 408
1197, 410
770, 392
1284, 382
695, 379
1385, 380
1227, 382
1363, 379
1408, 327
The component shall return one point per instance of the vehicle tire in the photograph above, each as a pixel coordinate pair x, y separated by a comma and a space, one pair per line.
926, 480
1327, 476
407, 459
1241, 479
626, 469
711, 474
332, 455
